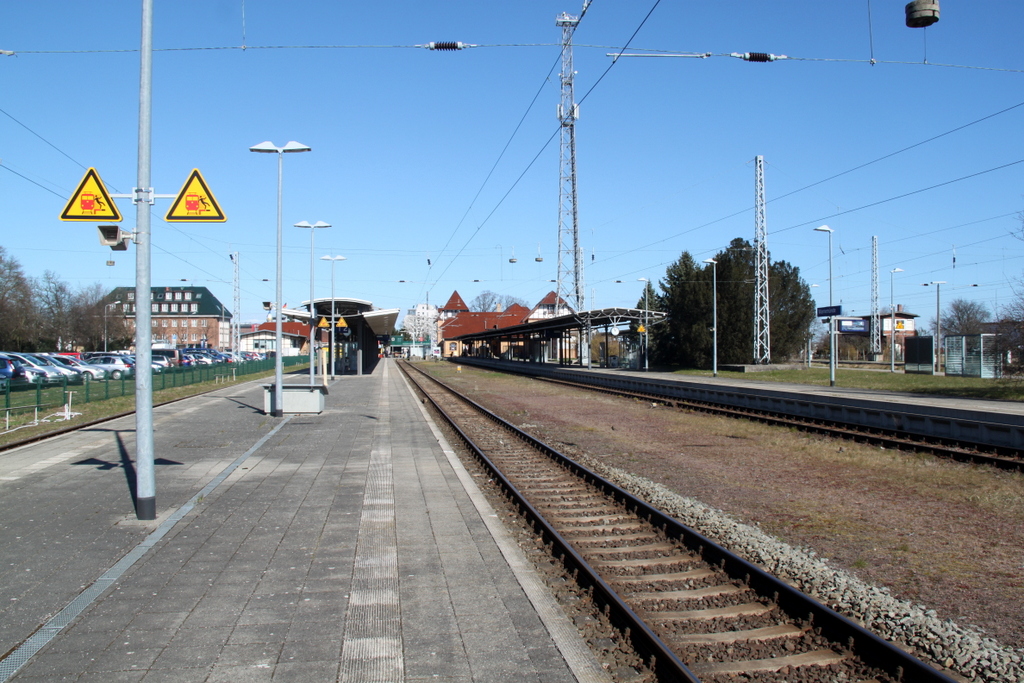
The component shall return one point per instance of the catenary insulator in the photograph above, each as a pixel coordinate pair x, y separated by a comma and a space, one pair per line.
446, 46
757, 56
922, 13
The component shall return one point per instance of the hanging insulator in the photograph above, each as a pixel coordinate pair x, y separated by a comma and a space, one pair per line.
447, 46
757, 56
922, 13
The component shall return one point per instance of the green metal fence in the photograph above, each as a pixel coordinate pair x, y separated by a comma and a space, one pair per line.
21, 394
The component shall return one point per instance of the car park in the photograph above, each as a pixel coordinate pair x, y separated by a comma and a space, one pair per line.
94, 372
116, 365
70, 374
34, 370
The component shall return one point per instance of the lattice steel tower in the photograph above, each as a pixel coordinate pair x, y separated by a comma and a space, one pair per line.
569, 249
876, 316
762, 335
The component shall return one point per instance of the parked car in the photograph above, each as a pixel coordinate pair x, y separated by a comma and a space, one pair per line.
72, 375
7, 368
93, 371
116, 365
34, 370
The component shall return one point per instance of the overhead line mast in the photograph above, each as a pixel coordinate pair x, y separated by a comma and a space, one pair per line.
762, 325
569, 249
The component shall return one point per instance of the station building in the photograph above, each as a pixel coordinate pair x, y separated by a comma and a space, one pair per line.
181, 316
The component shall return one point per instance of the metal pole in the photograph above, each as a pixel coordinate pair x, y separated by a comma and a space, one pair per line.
333, 327
312, 315
938, 329
278, 344
892, 322
714, 318
892, 326
145, 478
831, 322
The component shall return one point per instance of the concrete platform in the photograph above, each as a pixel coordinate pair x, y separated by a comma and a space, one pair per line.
345, 546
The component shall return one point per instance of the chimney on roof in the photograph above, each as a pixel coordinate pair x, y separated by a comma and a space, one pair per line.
497, 308
899, 308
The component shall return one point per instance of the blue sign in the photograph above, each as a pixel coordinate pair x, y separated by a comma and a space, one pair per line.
829, 311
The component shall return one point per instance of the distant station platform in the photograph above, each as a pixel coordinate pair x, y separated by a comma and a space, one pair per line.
989, 422
346, 546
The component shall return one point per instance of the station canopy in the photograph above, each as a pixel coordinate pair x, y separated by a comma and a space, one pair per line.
596, 318
381, 322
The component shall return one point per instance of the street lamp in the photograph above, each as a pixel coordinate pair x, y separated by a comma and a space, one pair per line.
892, 323
312, 309
714, 315
271, 148
831, 319
647, 307
333, 260
106, 307
938, 322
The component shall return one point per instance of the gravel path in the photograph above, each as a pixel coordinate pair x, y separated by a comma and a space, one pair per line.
900, 531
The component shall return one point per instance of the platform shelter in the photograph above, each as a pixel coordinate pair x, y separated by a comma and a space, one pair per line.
605, 337
361, 332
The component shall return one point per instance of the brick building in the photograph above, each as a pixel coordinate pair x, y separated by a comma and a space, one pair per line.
181, 316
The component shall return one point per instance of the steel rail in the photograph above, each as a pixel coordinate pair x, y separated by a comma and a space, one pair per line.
870, 647
940, 446
666, 666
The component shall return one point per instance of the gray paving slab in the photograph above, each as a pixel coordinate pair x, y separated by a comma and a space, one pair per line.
347, 546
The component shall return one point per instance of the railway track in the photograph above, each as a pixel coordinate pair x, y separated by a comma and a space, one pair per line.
961, 451
692, 610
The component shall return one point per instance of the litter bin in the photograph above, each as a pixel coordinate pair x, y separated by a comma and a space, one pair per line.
295, 398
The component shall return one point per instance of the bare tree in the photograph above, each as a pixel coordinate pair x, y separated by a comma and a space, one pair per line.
488, 301
964, 317
17, 306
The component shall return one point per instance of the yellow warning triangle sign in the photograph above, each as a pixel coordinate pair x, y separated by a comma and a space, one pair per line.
323, 323
91, 201
341, 323
195, 203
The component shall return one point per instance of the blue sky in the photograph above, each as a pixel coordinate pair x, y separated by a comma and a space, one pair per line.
404, 138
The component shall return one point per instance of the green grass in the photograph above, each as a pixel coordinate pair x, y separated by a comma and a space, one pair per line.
966, 387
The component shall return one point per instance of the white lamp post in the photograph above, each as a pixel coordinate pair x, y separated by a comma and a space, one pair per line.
333, 260
647, 307
892, 323
312, 309
106, 307
938, 322
831, 319
271, 148
714, 315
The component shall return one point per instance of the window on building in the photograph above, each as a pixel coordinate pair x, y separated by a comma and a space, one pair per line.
174, 308
195, 308
163, 308
174, 323
156, 323
195, 337
131, 296
155, 308
163, 323
188, 296
194, 322
203, 323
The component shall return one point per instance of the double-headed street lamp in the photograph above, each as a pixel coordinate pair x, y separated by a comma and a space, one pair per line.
333, 260
892, 323
831, 318
271, 148
714, 315
312, 309
106, 307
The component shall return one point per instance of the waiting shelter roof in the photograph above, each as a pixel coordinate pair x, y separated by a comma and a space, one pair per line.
600, 317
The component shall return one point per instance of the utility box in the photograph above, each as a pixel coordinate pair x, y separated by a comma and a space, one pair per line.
296, 398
